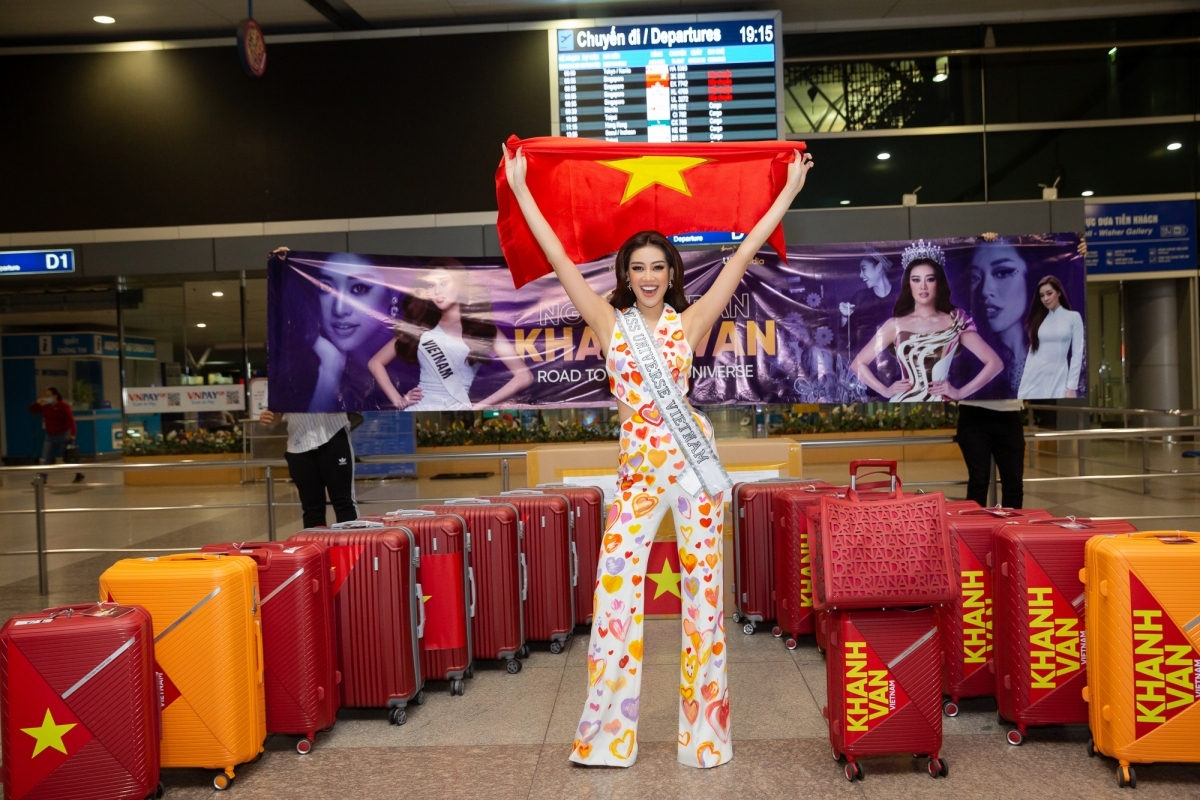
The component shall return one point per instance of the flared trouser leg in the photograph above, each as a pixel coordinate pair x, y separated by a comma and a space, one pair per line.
607, 732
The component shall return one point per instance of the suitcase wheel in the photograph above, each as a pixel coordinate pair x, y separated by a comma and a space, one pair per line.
748, 628
221, 782
938, 768
777, 632
158, 792
304, 746
419, 699
790, 643
556, 647
523, 652
838, 757
1091, 748
514, 666
470, 673
853, 771
737, 617
398, 716
1015, 737
950, 708
1126, 777
458, 687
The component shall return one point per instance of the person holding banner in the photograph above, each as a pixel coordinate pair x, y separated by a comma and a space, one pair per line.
667, 462
925, 332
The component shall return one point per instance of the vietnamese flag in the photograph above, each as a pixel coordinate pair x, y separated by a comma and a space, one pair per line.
595, 195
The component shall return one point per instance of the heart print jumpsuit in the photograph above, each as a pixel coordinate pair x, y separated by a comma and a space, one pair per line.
647, 468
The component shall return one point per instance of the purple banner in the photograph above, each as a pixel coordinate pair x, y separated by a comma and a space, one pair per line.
831, 325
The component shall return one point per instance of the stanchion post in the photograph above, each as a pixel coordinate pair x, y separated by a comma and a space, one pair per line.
1145, 463
39, 506
504, 474
270, 506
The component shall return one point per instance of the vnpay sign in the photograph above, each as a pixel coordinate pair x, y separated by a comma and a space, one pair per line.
179, 400
25, 262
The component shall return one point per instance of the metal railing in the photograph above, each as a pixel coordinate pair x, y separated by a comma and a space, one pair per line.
40, 511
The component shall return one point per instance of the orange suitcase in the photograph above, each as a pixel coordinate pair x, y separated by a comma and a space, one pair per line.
208, 654
1143, 670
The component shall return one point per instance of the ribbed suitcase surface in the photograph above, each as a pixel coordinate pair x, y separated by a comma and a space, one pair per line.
588, 507
882, 673
552, 564
446, 579
209, 653
1143, 671
881, 553
754, 549
79, 710
793, 561
498, 566
965, 624
377, 612
299, 646
1041, 644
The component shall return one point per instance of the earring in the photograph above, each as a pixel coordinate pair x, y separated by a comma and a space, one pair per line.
395, 307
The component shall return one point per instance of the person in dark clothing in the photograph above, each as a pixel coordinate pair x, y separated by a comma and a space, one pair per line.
991, 430
320, 459
59, 423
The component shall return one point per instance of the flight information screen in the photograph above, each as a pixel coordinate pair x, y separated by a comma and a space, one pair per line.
669, 82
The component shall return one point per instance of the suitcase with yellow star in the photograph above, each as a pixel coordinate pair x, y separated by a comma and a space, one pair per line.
1143, 646
208, 653
79, 710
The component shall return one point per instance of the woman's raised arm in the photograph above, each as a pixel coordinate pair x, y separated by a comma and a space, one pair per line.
595, 311
703, 314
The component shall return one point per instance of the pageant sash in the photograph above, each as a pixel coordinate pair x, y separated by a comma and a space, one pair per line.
703, 468
435, 361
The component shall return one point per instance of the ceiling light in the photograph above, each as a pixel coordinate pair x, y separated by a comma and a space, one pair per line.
1088, 193
218, 294
845, 202
103, 20
1112, 52
1174, 146
884, 156
942, 67
201, 325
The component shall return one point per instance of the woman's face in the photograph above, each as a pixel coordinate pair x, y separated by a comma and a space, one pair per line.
870, 270
923, 282
1049, 296
443, 288
351, 303
649, 275
998, 274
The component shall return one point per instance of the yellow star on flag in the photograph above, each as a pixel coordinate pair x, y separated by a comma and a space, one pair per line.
666, 580
49, 735
425, 598
646, 171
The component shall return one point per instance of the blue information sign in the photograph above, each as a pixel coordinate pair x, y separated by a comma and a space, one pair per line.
707, 238
26, 262
1141, 237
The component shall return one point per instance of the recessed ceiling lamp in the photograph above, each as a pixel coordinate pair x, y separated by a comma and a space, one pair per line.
103, 19
942, 65
201, 325
218, 294
1174, 146
884, 156
1088, 193
845, 202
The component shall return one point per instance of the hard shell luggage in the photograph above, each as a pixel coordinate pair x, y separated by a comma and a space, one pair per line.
377, 611
793, 562
552, 561
754, 551
965, 624
882, 552
883, 685
498, 566
1041, 645
1143, 671
79, 714
208, 653
588, 507
299, 646
449, 591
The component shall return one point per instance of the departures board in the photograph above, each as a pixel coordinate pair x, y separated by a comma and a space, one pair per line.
708, 80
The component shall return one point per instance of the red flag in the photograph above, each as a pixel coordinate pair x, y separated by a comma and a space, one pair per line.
441, 580
595, 195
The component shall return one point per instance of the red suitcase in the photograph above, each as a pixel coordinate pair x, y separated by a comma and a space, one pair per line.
588, 508
754, 551
497, 564
552, 563
449, 587
965, 624
1041, 645
793, 564
79, 704
378, 614
882, 552
299, 647
883, 686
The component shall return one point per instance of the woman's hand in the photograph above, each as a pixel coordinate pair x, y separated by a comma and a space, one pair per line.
944, 390
897, 388
1082, 249
515, 169
797, 173
1072, 393
333, 361
411, 396
268, 417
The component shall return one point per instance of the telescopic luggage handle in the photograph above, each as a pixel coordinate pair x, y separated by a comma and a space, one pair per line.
875, 466
410, 512
356, 524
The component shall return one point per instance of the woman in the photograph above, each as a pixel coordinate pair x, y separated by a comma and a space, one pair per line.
999, 297
660, 455
1054, 332
449, 337
925, 332
59, 423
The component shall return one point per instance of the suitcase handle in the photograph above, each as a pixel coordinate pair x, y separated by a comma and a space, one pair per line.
355, 524
471, 580
1167, 537
410, 512
896, 491
466, 501
574, 565
522, 491
875, 465
421, 606
259, 643
524, 577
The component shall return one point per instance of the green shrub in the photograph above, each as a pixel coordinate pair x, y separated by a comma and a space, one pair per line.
872, 417
182, 443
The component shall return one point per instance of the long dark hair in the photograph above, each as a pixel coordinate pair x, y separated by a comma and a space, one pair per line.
1038, 311
420, 315
906, 303
54, 392
622, 295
